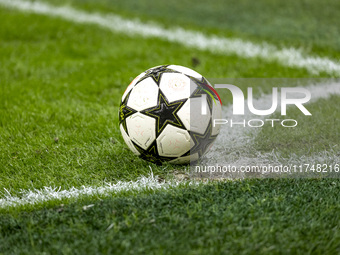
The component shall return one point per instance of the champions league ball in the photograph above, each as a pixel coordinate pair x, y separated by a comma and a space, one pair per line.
166, 114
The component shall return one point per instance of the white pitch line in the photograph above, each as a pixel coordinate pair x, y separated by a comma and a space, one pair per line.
34, 197
235, 146
237, 137
229, 46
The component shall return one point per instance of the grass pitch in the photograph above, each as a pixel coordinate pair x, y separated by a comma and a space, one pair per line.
60, 87
317, 133
240, 217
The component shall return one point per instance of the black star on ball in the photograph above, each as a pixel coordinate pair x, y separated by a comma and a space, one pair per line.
202, 142
150, 154
203, 87
165, 113
124, 112
156, 73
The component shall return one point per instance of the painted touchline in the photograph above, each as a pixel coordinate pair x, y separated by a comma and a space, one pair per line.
33, 197
288, 57
229, 46
238, 138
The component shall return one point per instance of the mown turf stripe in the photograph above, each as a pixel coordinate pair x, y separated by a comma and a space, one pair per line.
230, 46
243, 217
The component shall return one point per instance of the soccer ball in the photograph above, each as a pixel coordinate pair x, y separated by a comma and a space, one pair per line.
162, 115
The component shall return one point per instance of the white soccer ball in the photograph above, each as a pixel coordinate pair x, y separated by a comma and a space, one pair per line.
161, 118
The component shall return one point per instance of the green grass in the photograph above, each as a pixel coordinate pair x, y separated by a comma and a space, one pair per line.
244, 217
312, 25
61, 85
316, 133
60, 89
